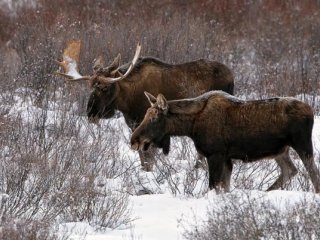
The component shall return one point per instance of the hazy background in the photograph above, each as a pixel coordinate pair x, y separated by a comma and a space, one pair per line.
273, 47
57, 168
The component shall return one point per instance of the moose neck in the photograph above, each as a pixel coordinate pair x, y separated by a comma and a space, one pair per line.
131, 103
122, 94
180, 124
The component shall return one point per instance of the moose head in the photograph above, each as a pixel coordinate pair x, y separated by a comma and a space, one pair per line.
103, 80
151, 129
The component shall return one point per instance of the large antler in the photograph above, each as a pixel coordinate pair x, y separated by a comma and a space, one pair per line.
108, 80
70, 61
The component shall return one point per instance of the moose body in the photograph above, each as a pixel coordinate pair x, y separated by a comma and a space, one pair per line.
122, 87
224, 128
149, 74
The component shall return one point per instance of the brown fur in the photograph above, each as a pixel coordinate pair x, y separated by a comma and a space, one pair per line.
175, 81
225, 128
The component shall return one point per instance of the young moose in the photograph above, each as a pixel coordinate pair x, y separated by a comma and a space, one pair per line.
225, 128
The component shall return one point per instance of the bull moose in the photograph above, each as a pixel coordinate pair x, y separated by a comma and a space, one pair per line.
224, 127
121, 87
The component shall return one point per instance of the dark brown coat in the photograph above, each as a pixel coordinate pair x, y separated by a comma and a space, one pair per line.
175, 81
224, 128
121, 88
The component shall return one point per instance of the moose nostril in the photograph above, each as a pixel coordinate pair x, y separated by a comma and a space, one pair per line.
135, 146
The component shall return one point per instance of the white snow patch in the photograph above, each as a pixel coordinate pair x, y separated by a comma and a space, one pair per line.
158, 216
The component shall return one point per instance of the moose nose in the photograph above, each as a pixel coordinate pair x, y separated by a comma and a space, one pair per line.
135, 146
135, 142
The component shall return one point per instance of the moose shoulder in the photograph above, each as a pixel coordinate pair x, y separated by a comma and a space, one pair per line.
224, 128
121, 87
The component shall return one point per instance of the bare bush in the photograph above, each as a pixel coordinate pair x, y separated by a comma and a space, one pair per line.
275, 55
175, 173
261, 175
19, 229
56, 167
241, 216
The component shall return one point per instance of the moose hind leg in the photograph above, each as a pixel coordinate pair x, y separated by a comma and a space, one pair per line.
302, 143
287, 170
308, 162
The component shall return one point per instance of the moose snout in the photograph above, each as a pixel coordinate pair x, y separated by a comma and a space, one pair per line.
135, 146
134, 143
140, 144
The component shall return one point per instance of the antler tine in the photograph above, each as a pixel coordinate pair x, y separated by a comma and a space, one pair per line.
71, 78
71, 73
108, 80
70, 62
116, 62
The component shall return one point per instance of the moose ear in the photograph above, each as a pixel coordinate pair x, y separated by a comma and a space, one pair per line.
162, 103
151, 98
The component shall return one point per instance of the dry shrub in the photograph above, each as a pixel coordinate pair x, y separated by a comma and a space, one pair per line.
240, 216
55, 167
50, 170
276, 54
14, 229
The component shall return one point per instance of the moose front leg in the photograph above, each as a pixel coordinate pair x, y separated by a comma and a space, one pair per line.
219, 172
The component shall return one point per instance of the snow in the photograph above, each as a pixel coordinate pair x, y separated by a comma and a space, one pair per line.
316, 136
155, 218
158, 216
161, 215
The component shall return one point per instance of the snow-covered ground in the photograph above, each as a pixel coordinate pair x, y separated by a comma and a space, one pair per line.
161, 215
164, 216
